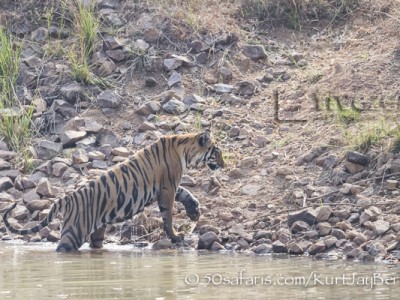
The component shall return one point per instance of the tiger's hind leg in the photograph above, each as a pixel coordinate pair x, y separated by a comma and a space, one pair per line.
72, 238
189, 201
97, 237
166, 205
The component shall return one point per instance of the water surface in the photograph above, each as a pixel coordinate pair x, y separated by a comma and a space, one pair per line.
29, 271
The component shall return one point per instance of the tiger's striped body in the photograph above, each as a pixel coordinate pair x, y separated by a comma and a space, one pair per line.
152, 174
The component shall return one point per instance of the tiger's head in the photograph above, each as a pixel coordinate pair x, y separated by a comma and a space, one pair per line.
204, 150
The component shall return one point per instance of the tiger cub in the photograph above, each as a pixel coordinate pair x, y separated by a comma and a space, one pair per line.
152, 174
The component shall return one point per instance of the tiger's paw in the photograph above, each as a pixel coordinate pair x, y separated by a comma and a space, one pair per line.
177, 237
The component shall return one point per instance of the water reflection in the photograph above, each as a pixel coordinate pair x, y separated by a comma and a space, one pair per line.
37, 272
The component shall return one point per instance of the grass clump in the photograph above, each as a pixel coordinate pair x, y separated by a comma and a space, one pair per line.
15, 120
9, 68
296, 13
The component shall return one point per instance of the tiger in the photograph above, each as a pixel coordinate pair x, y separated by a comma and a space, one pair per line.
151, 174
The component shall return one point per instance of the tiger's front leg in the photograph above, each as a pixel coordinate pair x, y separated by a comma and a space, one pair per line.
166, 205
97, 238
189, 201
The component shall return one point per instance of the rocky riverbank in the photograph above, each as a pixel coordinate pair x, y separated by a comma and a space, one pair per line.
301, 177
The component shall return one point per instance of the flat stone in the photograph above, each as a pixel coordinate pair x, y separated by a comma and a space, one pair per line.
106, 68
353, 168
7, 155
338, 233
174, 79
48, 149
245, 88
108, 99
392, 185
224, 75
172, 63
151, 107
70, 137
307, 215
99, 164
116, 55
380, 227
30, 196
250, 189
222, 88
146, 126
90, 126
111, 43
64, 108
357, 158
254, 51
96, 155
38, 205
175, 107
299, 226
263, 249
121, 151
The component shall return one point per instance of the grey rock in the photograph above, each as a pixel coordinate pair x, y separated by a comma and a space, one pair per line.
338, 233
193, 99
151, 107
245, 88
79, 157
307, 215
30, 196
254, 51
141, 45
7, 155
151, 34
222, 88
172, 63
44, 188
357, 158
106, 68
174, 78
48, 149
324, 228
96, 155
317, 247
295, 249
279, 247
201, 58
5, 184
207, 240
380, 227
198, 46
108, 99
99, 164
323, 213
106, 136
111, 43
263, 249
224, 75
54, 236
72, 92
299, 226
330, 241
64, 108
150, 82
250, 189
38, 205
39, 35
20, 212
116, 55
120, 151
70, 137
217, 247
175, 107
59, 168
162, 244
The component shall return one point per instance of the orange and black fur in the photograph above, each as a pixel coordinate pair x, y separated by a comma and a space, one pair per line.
153, 173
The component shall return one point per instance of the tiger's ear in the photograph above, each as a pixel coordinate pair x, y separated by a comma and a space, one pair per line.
205, 139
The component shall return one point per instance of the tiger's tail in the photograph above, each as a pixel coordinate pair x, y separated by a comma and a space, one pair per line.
53, 212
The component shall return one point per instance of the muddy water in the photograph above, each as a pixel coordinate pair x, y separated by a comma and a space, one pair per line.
119, 272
